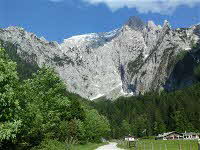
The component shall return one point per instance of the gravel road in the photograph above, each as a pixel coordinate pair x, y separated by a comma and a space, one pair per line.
110, 146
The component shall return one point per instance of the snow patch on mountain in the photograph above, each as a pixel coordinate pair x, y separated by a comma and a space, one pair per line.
90, 39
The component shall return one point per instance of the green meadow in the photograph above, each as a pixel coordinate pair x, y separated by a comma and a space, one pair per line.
161, 145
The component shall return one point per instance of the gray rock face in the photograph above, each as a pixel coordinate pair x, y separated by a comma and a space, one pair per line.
132, 60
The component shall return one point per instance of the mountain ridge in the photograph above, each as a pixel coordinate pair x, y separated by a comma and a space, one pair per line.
131, 60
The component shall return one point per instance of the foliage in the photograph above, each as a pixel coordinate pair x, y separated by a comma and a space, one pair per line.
96, 125
25, 68
9, 104
153, 113
52, 113
9, 129
56, 145
182, 123
45, 106
41, 109
51, 145
126, 128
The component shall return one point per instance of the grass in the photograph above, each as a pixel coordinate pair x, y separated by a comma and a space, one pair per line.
56, 145
162, 145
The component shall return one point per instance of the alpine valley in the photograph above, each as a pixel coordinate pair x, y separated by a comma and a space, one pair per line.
132, 60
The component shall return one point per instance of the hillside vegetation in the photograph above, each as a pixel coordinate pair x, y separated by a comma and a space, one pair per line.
153, 113
39, 109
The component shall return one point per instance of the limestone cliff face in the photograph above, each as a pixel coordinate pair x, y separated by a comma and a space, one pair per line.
132, 60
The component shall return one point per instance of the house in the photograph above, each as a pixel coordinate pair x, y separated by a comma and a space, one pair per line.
191, 136
130, 141
170, 136
129, 138
178, 136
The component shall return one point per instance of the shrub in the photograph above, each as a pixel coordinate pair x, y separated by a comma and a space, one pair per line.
49, 144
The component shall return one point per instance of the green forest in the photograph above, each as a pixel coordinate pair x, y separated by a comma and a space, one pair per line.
153, 113
37, 111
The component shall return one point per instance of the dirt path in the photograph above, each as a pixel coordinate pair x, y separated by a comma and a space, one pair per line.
110, 146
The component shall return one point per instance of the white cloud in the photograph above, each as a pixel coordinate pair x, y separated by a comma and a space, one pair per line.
145, 6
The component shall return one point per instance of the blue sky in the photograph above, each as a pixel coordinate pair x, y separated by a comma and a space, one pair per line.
60, 19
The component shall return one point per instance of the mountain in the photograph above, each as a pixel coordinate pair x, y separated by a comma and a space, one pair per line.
135, 59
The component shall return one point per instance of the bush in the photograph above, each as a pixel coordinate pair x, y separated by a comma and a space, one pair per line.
49, 144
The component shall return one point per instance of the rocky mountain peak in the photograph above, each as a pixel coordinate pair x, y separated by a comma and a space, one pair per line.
132, 60
135, 23
15, 28
166, 24
152, 26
